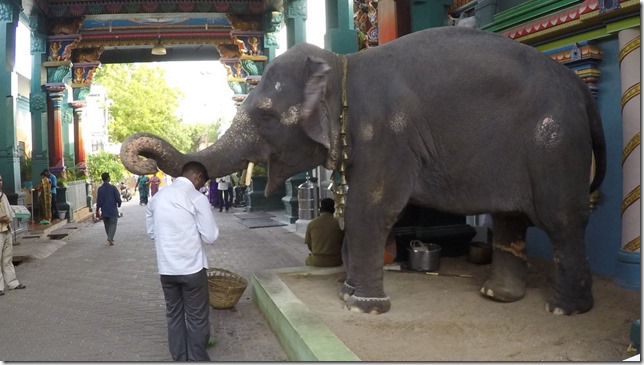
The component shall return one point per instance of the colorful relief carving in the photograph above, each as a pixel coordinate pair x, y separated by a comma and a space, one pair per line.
83, 73
566, 19
78, 8
244, 22
60, 47
583, 58
366, 22
92, 54
66, 26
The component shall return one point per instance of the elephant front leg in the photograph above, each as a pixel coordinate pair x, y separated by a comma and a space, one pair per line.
348, 287
509, 266
363, 289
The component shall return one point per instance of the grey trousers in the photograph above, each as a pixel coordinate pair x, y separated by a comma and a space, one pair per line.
110, 226
186, 300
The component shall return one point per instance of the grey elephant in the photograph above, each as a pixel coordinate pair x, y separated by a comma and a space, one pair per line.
456, 119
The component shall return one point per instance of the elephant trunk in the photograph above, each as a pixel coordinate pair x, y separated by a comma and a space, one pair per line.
229, 154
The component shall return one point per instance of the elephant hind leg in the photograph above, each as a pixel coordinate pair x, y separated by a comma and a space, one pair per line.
573, 278
509, 265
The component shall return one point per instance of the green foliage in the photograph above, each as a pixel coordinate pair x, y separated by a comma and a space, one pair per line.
201, 132
101, 162
142, 101
259, 169
25, 167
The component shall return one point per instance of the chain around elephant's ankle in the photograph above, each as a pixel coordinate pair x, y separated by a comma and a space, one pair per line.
364, 299
349, 288
517, 249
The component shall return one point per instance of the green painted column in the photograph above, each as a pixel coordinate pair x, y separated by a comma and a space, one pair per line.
273, 24
341, 35
429, 14
295, 22
68, 130
9, 159
38, 101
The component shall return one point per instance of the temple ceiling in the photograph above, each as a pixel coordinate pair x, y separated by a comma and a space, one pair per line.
125, 31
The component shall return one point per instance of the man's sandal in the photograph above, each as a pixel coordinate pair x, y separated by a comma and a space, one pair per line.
20, 286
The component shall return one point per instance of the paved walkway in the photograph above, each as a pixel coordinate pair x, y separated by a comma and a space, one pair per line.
87, 301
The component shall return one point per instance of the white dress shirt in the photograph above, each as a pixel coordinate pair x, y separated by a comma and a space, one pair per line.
180, 222
222, 183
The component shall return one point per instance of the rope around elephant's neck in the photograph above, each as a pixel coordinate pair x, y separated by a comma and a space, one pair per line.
341, 189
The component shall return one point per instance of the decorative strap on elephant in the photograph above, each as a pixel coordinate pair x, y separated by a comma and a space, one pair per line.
341, 189
517, 249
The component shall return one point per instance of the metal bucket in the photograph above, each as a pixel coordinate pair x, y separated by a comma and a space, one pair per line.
424, 256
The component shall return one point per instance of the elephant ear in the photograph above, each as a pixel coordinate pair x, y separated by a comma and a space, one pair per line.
314, 91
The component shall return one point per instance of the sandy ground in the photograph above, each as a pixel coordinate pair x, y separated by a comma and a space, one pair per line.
444, 318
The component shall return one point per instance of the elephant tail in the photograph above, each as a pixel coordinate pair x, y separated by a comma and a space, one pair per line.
157, 154
599, 144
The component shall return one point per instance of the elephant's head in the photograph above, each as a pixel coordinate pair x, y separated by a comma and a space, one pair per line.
290, 121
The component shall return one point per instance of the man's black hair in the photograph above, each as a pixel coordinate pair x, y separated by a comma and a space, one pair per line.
197, 167
327, 205
105, 176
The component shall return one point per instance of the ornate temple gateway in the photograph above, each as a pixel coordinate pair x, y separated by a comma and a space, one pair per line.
598, 39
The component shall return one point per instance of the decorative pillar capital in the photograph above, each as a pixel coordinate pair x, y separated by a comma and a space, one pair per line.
273, 21
8, 11
296, 9
80, 93
83, 74
57, 71
60, 47
77, 105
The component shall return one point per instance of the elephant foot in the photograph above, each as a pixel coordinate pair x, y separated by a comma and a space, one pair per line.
507, 281
560, 307
346, 291
368, 305
572, 299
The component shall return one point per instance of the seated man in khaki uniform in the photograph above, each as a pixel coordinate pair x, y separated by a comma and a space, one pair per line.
324, 237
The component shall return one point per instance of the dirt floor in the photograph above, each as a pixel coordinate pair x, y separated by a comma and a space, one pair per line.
444, 318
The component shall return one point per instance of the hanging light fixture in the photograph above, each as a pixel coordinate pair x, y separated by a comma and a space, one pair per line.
159, 48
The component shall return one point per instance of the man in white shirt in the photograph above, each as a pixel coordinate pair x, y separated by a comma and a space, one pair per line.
7, 271
224, 195
180, 222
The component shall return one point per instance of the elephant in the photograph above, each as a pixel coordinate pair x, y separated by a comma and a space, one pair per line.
452, 118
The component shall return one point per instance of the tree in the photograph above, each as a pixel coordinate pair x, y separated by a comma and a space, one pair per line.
142, 102
102, 162
202, 132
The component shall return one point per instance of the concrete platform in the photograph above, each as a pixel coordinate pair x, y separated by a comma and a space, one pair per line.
302, 335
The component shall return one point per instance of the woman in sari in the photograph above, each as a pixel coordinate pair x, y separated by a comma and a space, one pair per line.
143, 185
44, 189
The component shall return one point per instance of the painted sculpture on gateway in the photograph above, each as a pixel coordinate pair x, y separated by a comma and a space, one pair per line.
459, 131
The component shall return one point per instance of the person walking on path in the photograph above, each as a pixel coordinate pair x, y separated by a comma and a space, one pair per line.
222, 187
324, 237
7, 272
54, 194
108, 200
143, 185
180, 222
154, 184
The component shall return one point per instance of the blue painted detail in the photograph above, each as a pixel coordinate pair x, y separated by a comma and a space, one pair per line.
628, 272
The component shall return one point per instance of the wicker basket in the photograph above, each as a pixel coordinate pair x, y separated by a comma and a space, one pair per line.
224, 288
